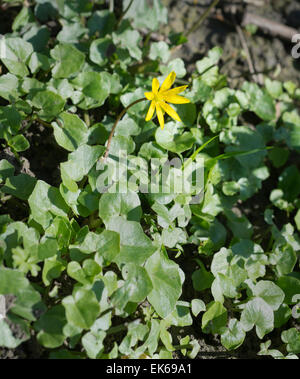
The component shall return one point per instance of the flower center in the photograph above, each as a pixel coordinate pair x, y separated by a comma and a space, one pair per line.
158, 98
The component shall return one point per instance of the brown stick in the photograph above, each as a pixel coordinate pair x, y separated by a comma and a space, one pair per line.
252, 69
115, 125
274, 27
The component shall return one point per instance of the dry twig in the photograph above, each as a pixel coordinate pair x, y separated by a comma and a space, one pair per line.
273, 27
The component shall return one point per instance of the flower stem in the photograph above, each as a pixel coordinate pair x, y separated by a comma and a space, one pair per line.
115, 125
124, 12
87, 119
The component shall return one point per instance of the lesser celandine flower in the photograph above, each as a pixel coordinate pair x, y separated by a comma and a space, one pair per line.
160, 96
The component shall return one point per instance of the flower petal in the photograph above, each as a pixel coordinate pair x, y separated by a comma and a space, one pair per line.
149, 95
176, 99
171, 112
168, 82
150, 111
155, 85
160, 116
176, 90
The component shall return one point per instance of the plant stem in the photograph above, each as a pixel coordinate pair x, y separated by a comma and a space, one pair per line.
87, 119
125, 11
111, 5
115, 125
44, 123
117, 329
181, 347
202, 18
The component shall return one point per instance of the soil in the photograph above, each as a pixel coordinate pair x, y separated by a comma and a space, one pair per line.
271, 55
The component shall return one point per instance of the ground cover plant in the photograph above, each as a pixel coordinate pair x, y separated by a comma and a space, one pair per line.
86, 273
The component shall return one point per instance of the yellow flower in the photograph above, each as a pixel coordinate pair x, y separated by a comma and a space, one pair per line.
158, 98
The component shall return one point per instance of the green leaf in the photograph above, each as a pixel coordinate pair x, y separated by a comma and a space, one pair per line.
53, 267
215, 318
46, 202
39, 61
48, 103
82, 308
80, 163
119, 204
136, 247
10, 120
93, 343
259, 314
13, 282
24, 17
296, 218
152, 339
289, 182
97, 134
84, 274
278, 156
270, 293
234, 336
173, 237
72, 31
290, 286
260, 101
48, 247
7, 338
176, 65
108, 246
69, 60
6, 170
20, 186
207, 62
101, 50
202, 278
166, 336
136, 287
292, 338
62, 87
70, 131
172, 138
274, 87
282, 315
180, 316
197, 306
61, 230
19, 143
50, 327
159, 50
9, 87
199, 91
166, 281
187, 113
38, 36
291, 122
130, 97
17, 52
127, 127
94, 87
145, 15
101, 22
128, 39
245, 139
